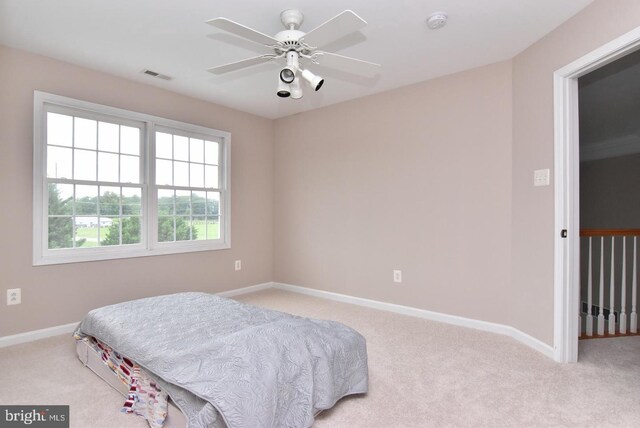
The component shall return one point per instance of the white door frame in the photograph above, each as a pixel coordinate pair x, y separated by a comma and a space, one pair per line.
567, 203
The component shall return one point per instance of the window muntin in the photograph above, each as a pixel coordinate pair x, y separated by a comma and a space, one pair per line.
109, 183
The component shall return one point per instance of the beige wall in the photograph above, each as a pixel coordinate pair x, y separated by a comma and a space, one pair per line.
434, 179
609, 193
533, 208
54, 295
417, 179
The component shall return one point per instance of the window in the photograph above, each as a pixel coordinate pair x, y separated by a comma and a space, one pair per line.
109, 183
187, 178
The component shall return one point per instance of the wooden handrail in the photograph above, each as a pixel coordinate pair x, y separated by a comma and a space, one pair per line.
609, 232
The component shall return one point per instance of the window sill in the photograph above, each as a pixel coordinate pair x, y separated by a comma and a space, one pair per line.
54, 257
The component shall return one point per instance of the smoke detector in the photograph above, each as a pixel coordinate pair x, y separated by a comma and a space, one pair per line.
437, 20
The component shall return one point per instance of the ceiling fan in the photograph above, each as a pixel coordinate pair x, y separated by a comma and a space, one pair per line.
296, 47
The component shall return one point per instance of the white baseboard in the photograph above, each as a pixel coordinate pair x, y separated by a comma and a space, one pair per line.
506, 330
245, 290
30, 336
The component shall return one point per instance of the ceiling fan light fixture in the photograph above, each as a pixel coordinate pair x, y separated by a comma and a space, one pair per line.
284, 90
313, 80
287, 75
296, 90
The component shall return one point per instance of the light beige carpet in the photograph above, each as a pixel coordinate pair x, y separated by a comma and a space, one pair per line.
422, 374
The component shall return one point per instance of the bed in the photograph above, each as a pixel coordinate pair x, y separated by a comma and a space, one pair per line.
223, 363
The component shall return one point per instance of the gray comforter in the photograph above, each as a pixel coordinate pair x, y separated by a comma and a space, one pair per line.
222, 360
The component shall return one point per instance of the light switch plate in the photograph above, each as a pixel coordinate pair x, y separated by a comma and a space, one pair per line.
541, 177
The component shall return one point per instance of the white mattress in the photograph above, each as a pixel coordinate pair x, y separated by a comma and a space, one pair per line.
91, 359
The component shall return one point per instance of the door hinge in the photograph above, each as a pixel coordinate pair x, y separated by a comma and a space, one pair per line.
563, 233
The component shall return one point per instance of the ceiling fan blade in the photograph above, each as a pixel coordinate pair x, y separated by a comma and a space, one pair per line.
345, 23
233, 66
346, 63
242, 31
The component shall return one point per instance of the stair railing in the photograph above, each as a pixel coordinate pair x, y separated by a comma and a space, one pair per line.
604, 322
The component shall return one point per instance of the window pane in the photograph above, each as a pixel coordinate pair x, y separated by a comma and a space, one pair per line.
109, 231
87, 200
105, 225
196, 150
166, 229
60, 232
183, 229
163, 146
59, 129
109, 201
196, 175
129, 140
181, 174
129, 169
131, 201
213, 227
130, 230
84, 165
85, 133
199, 228
211, 152
58, 162
213, 203
108, 138
165, 202
86, 231
211, 177
198, 203
107, 167
60, 199
164, 172
180, 148
183, 202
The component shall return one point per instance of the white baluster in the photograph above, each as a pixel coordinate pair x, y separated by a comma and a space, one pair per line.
601, 310
623, 293
633, 321
612, 317
590, 291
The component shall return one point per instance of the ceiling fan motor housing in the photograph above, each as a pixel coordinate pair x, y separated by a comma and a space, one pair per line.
289, 39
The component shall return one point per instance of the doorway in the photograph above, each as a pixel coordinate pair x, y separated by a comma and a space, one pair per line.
609, 105
567, 199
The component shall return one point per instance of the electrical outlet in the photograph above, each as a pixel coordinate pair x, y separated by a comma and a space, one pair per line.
397, 276
238, 264
14, 296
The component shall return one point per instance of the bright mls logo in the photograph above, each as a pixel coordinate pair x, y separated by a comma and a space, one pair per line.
34, 416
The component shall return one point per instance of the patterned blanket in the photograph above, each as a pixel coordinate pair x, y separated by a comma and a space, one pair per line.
145, 397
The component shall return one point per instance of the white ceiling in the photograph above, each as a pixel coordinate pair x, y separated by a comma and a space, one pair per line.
123, 37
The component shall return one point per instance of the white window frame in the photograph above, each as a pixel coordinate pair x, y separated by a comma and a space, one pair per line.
149, 246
